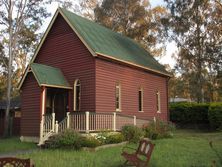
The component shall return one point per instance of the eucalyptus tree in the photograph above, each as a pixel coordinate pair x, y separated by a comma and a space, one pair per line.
19, 22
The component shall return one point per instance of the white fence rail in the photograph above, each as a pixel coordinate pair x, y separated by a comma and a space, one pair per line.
91, 121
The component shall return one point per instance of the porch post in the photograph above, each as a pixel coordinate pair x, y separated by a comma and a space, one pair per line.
53, 122
43, 97
134, 120
87, 121
56, 127
114, 121
68, 122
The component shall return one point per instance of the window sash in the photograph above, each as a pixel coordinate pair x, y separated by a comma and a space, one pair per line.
140, 100
158, 101
118, 98
77, 95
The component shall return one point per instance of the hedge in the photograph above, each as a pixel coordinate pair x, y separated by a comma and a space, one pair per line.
215, 115
197, 113
189, 113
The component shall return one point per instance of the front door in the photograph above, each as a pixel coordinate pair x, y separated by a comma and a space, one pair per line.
57, 102
60, 105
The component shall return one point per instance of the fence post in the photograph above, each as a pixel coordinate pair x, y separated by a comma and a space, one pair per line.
56, 127
87, 121
114, 121
68, 122
53, 122
41, 132
134, 120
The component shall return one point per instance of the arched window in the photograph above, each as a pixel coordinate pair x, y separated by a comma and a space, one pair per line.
77, 95
140, 99
118, 97
158, 101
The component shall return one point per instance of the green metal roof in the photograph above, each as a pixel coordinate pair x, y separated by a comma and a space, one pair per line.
49, 76
105, 41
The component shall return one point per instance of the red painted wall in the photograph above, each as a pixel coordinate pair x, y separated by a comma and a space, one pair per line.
131, 79
63, 49
30, 107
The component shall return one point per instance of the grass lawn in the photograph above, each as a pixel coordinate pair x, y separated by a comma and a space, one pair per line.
13, 144
187, 148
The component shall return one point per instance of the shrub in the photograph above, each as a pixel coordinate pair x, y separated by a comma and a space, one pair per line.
215, 115
159, 129
114, 138
189, 113
67, 139
90, 142
132, 133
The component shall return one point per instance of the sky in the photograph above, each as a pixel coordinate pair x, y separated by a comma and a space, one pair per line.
170, 47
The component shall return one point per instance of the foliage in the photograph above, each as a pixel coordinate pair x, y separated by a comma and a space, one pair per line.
114, 138
135, 19
107, 137
102, 136
159, 129
67, 139
90, 141
195, 27
215, 115
189, 113
132, 133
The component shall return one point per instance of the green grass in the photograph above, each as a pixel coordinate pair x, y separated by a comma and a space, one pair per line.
14, 144
187, 148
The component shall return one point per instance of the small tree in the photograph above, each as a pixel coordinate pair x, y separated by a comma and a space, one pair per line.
18, 19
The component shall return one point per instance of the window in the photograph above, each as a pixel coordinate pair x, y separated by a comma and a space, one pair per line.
77, 95
158, 101
140, 98
118, 97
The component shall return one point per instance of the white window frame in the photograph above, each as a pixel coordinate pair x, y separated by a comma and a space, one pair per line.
118, 86
158, 102
142, 94
74, 95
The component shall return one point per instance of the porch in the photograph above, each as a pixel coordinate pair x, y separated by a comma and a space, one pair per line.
86, 122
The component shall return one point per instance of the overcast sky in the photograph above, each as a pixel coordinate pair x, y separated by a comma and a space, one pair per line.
170, 48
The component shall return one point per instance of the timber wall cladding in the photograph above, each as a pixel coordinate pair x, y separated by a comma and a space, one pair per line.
108, 74
30, 111
63, 49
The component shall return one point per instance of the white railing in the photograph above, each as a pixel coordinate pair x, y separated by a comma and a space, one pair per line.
47, 127
50, 126
63, 125
91, 121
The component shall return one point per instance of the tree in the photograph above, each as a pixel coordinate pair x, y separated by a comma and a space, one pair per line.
135, 19
19, 20
195, 25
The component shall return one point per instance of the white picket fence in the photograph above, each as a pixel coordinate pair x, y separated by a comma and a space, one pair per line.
92, 122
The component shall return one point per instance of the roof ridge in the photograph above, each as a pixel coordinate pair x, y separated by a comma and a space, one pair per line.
108, 29
106, 41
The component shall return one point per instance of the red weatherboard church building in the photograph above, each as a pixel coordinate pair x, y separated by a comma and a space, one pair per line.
87, 77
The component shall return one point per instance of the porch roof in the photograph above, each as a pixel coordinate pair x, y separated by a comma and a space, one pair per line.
49, 76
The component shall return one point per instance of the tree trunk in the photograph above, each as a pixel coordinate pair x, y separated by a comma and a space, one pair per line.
9, 79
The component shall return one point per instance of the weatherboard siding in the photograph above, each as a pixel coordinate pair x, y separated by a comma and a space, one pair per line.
63, 49
108, 74
30, 107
